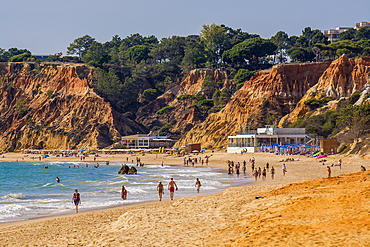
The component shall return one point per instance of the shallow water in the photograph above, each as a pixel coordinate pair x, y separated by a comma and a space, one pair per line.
28, 190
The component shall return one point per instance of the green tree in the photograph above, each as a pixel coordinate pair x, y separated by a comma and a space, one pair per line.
300, 54
136, 54
109, 85
214, 38
22, 57
96, 55
363, 33
281, 40
80, 46
251, 50
209, 86
150, 94
224, 96
169, 49
350, 34
194, 53
166, 111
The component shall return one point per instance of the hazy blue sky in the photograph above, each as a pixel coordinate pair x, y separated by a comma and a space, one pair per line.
49, 26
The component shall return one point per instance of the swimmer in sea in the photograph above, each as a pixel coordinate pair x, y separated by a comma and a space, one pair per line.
198, 184
171, 187
160, 190
76, 199
57, 180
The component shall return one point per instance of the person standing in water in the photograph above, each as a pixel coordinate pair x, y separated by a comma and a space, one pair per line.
76, 199
124, 193
171, 187
198, 184
160, 190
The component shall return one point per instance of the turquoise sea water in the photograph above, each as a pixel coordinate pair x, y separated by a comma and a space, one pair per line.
28, 190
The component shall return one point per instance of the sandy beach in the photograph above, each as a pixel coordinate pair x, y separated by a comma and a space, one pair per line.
303, 207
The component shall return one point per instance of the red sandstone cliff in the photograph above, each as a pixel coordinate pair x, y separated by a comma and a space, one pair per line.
280, 88
341, 79
60, 109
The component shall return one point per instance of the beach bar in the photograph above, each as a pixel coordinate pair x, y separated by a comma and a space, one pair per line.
252, 140
146, 141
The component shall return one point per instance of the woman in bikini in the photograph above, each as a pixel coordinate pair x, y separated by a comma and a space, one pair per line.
76, 199
123, 193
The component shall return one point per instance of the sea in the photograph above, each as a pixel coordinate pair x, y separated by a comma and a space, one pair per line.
29, 191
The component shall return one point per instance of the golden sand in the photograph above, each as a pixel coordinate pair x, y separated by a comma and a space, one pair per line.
302, 208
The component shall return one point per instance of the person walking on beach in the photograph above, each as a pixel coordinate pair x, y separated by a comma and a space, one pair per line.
284, 169
244, 168
264, 174
197, 184
76, 199
160, 190
255, 174
272, 172
259, 172
267, 166
123, 193
329, 172
171, 187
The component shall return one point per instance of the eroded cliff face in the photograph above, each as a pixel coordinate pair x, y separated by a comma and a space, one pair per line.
270, 92
341, 79
185, 117
54, 107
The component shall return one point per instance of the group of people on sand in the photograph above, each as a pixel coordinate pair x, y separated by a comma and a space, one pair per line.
195, 160
172, 186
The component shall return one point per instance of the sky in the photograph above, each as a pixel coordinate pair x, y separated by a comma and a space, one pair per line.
49, 26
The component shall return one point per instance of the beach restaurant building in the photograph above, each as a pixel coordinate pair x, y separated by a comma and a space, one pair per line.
146, 141
251, 140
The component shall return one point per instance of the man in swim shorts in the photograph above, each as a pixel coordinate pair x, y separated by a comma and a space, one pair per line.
160, 190
171, 187
76, 199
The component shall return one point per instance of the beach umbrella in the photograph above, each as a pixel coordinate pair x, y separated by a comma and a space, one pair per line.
45, 156
202, 151
320, 156
195, 151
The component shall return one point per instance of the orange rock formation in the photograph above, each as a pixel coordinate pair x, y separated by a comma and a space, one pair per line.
274, 91
341, 79
53, 106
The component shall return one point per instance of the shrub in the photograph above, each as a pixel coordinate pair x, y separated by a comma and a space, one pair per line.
353, 98
316, 103
244, 75
49, 93
265, 103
